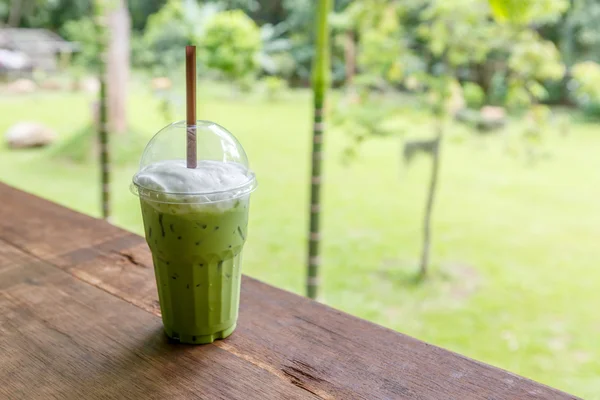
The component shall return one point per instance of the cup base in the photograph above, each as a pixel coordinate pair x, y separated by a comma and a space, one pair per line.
200, 339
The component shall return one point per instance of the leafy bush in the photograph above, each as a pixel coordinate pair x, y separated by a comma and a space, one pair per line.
230, 45
83, 31
177, 24
585, 86
586, 82
533, 61
473, 95
275, 57
167, 31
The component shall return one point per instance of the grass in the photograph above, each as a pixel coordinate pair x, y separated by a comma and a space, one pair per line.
515, 277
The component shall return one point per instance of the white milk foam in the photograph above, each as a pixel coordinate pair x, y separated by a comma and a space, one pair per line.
212, 184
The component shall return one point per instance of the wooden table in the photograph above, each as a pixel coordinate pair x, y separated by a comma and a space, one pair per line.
79, 319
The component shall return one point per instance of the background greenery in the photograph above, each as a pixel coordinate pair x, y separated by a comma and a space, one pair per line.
515, 274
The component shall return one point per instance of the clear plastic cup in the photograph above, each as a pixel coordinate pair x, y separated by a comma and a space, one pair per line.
196, 234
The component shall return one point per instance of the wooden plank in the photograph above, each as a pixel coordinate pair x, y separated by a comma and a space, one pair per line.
62, 338
321, 351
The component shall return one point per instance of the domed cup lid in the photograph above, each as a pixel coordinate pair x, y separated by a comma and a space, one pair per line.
222, 171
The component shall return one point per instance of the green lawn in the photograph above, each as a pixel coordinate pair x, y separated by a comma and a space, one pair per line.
515, 281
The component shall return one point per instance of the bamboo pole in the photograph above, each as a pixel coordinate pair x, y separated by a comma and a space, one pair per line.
320, 83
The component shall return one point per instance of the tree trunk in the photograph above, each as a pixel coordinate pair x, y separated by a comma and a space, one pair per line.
350, 56
14, 17
484, 72
321, 80
117, 68
435, 167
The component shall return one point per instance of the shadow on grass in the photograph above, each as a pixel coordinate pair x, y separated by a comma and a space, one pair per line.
83, 147
456, 279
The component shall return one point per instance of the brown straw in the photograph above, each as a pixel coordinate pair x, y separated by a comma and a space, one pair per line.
190, 89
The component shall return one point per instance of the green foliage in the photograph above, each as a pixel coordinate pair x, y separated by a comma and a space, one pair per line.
160, 51
473, 95
166, 34
53, 14
300, 23
379, 57
4, 10
177, 24
532, 62
441, 92
505, 9
383, 57
83, 31
586, 82
585, 85
535, 58
528, 11
459, 31
140, 10
362, 116
231, 44
582, 22
274, 57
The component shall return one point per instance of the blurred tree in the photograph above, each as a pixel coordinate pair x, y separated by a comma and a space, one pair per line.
455, 41
383, 60
379, 41
177, 24
158, 51
140, 10
474, 95
47, 14
55, 14
167, 32
117, 65
84, 32
585, 85
321, 80
582, 21
262, 11
274, 57
230, 45
14, 16
300, 21
460, 34
439, 86
586, 76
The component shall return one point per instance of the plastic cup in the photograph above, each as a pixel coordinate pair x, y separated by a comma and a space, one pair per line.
196, 236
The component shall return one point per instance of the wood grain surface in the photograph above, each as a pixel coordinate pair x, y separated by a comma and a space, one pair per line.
79, 319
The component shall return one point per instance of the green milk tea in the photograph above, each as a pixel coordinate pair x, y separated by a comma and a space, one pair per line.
196, 251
